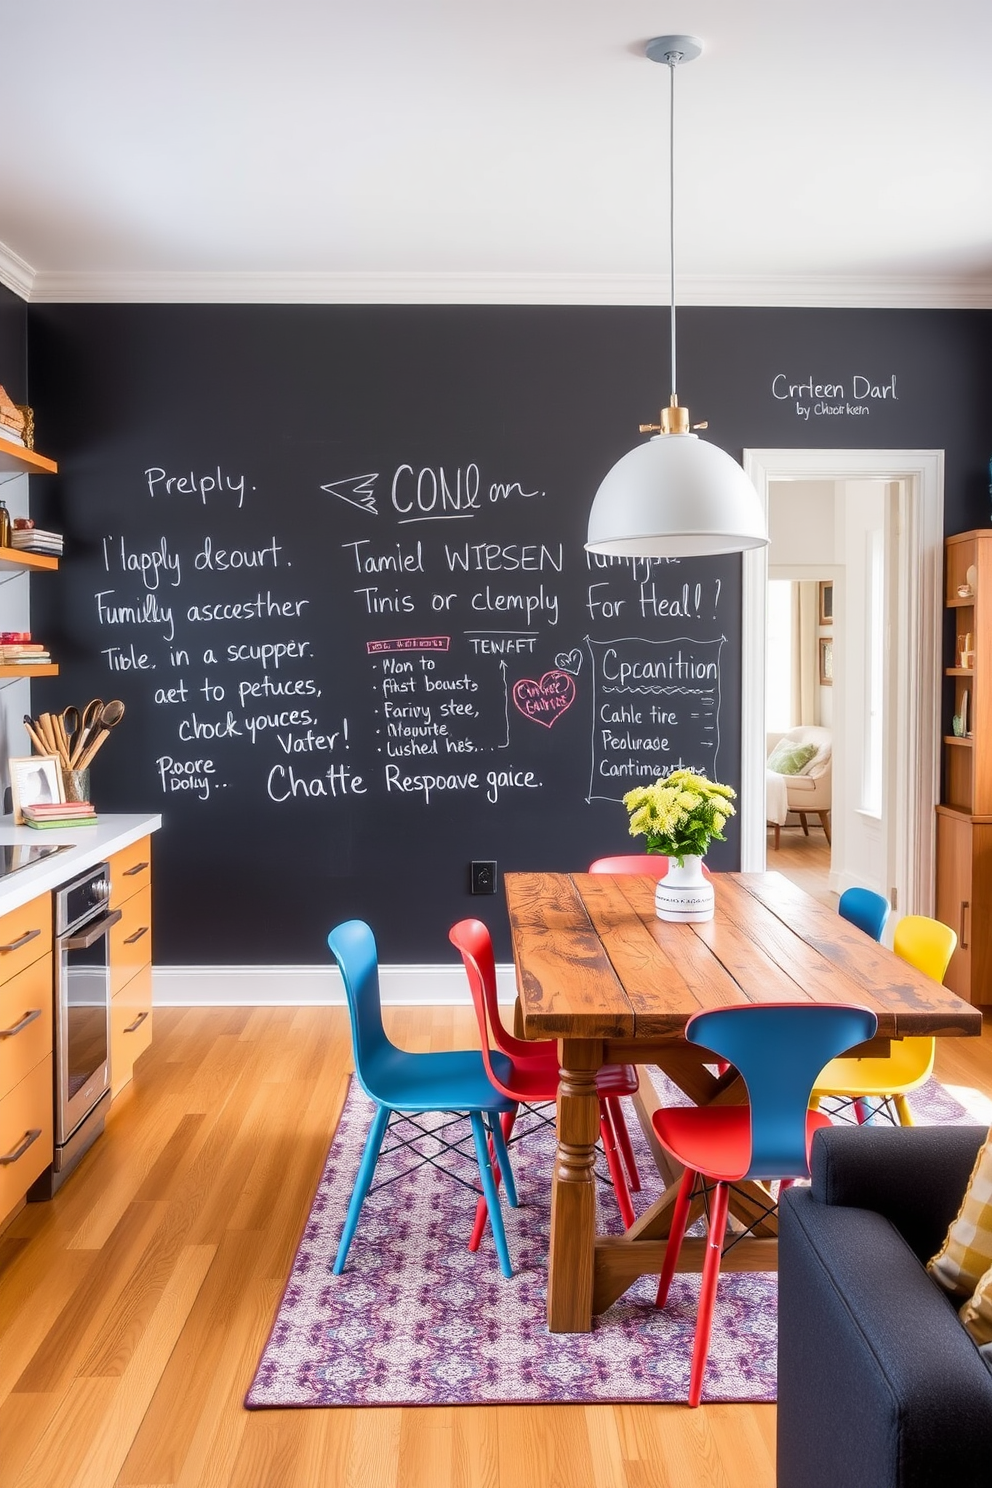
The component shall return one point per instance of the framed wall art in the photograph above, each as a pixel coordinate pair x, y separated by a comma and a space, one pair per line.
34, 780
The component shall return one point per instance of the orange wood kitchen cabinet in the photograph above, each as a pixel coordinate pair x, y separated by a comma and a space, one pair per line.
26, 1111
130, 960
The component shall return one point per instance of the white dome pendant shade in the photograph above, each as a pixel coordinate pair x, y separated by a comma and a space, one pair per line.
676, 496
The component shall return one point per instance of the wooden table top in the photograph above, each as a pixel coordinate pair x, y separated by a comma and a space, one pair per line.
594, 961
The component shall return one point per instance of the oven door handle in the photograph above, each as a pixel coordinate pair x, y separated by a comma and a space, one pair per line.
92, 933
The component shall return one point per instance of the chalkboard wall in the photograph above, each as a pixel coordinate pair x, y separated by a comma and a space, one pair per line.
331, 559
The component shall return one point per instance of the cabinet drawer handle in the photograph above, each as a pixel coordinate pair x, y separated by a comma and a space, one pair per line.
15, 945
28, 1139
137, 1022
130, 872
28, 1017
130, 939
963, 939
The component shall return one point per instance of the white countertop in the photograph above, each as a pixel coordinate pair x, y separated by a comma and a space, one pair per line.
84, 846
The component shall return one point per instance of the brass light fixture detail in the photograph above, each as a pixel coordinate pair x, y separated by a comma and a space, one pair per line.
672, 420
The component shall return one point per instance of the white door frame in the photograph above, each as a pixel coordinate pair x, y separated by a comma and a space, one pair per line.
919, 567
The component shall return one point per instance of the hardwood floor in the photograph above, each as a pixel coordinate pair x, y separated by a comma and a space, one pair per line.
134, 1306
804, 860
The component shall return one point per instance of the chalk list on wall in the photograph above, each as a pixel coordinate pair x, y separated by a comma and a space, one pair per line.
436, 655
332, 562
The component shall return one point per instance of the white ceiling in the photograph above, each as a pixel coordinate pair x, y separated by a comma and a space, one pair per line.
496, 150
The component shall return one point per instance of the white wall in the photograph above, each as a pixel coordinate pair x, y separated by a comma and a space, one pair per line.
803, 546
859, 847
801, 526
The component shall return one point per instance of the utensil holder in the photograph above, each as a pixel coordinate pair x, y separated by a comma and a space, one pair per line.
76, 784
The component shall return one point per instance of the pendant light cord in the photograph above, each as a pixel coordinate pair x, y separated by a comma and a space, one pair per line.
674, 58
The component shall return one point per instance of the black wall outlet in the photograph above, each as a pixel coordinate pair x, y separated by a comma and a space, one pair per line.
483, 878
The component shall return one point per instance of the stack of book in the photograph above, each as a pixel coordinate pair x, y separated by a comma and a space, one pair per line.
24, 653
59, 814
36, 540
11, 420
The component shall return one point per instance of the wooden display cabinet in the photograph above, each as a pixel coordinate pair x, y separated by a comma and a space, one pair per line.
964, 817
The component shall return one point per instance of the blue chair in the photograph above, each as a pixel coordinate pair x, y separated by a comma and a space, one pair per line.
779, 1050
405, 1086
866, 909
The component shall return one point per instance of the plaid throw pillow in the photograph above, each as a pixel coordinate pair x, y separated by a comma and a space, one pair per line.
965, 1259
976, 1314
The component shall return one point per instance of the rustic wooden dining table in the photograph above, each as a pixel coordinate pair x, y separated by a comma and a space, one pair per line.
599, 972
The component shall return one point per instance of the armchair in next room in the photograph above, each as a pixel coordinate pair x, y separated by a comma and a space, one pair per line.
797, 777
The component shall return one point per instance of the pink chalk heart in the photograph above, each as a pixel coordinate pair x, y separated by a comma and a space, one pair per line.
544, 701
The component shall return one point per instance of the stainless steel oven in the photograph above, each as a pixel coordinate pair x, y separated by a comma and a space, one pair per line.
82, 1020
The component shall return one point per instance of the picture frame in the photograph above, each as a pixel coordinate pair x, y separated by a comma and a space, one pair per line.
34, 778
826, 661
826, 602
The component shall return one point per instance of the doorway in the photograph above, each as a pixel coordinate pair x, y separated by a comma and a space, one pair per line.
907, 747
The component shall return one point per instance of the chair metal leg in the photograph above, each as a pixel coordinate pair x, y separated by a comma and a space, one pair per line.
363, 1183
490, 1191
502, 1163
482, 1208
707, 1289
615, 1166
624, 1143
676, 1234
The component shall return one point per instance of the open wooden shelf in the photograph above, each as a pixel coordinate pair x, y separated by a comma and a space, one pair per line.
51, 670
14, 559
954, 739
16, 459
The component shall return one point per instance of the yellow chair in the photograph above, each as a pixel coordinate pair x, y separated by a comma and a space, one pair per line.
928, 945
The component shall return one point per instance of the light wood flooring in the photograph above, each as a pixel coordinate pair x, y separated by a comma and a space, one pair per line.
134, 1307
804, 860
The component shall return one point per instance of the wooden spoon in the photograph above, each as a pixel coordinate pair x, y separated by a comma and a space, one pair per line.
111, 713
33, 734
110, 717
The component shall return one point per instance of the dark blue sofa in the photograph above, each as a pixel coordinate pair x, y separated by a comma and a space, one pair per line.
879, 1384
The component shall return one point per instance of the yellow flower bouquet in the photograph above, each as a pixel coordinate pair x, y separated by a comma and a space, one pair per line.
680, 814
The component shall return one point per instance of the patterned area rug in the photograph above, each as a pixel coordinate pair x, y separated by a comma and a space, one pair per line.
417, 1320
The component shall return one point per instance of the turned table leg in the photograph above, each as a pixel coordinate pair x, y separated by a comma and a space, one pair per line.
573, 1190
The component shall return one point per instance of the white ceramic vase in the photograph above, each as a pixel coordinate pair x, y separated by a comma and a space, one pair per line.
685, 893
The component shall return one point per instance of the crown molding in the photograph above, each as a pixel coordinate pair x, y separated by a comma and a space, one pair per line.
827, 291
15, 273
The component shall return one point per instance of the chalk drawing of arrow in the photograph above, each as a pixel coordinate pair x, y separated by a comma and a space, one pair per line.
357, 490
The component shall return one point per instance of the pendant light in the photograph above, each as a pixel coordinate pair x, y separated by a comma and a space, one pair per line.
677, 495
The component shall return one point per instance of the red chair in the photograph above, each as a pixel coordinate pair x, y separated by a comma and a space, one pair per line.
778, 1049
655, 864
528, 1072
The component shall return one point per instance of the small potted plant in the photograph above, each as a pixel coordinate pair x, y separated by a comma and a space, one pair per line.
679, 815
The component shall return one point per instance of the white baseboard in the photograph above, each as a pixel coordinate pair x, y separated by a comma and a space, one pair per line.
314, 986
